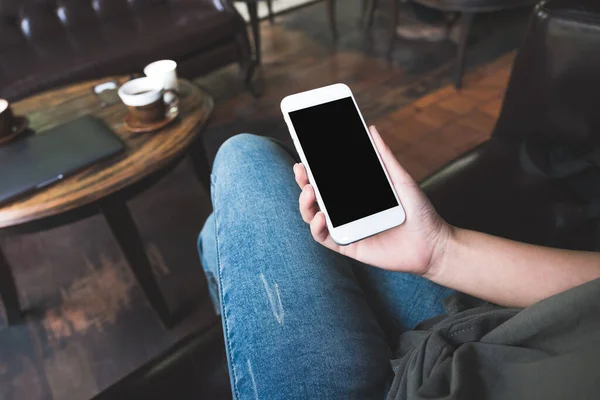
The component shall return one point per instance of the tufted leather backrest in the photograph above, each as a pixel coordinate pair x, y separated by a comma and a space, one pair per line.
48, 43
24, 20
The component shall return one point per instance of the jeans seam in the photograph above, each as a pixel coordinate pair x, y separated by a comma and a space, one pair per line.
220, 291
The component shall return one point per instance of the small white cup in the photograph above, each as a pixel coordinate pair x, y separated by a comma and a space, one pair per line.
140, 92
165, 73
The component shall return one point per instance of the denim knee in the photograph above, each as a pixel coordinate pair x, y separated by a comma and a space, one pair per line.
241, 149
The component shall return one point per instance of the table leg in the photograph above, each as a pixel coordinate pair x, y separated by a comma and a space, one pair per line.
8, 292
252, 6
200, 163
123, 228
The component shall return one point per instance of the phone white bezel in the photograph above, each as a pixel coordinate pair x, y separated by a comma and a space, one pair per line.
361, 228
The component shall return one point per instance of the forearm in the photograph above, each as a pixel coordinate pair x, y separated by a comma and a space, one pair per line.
510, 273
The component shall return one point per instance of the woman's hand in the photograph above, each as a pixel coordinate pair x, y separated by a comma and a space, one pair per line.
415, 246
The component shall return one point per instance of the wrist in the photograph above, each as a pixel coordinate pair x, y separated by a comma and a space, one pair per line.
445, 242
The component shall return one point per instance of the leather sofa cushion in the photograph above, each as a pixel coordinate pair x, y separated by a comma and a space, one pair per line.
41, 47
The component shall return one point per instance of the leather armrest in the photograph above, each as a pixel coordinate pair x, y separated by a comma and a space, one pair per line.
487, 190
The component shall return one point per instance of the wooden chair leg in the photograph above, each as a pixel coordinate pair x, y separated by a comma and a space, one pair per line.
247, 61
271, 15
370, 12
249, 70
331, 16
255, 25
465, 22
395, 18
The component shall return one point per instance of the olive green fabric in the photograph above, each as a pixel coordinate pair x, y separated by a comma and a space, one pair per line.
550, 350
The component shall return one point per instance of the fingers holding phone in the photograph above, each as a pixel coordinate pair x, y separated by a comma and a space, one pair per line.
308, 203
307, 200
300, 175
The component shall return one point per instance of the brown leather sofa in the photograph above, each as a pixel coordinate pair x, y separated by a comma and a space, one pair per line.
46, 43
554, 94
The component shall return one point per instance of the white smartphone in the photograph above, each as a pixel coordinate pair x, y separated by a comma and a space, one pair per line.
352, 187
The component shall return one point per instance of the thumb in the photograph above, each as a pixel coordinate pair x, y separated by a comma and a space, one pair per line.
397, 173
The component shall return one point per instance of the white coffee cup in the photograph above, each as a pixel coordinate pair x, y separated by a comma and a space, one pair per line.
164, 72
140, 92
6, 118
144, 98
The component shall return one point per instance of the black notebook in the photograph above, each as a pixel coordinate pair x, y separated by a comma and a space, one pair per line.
45, 158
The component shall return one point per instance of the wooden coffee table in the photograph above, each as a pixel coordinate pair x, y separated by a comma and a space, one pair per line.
105, 187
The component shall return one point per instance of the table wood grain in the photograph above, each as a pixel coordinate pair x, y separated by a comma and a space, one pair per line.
145, 153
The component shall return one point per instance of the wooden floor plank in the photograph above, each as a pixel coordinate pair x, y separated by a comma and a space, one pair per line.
492, 107
435, 116
459, 104
478, 120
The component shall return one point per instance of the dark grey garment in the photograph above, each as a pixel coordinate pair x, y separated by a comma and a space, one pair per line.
550, 350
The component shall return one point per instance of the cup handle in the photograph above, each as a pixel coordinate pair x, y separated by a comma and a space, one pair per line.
170, 97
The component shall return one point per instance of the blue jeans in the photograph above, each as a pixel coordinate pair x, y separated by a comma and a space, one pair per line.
300, 321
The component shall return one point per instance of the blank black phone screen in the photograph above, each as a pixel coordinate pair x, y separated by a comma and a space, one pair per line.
343, 161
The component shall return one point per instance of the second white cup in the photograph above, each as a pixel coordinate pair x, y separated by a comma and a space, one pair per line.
164, 72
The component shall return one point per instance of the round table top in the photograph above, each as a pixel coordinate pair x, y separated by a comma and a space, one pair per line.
145, 153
